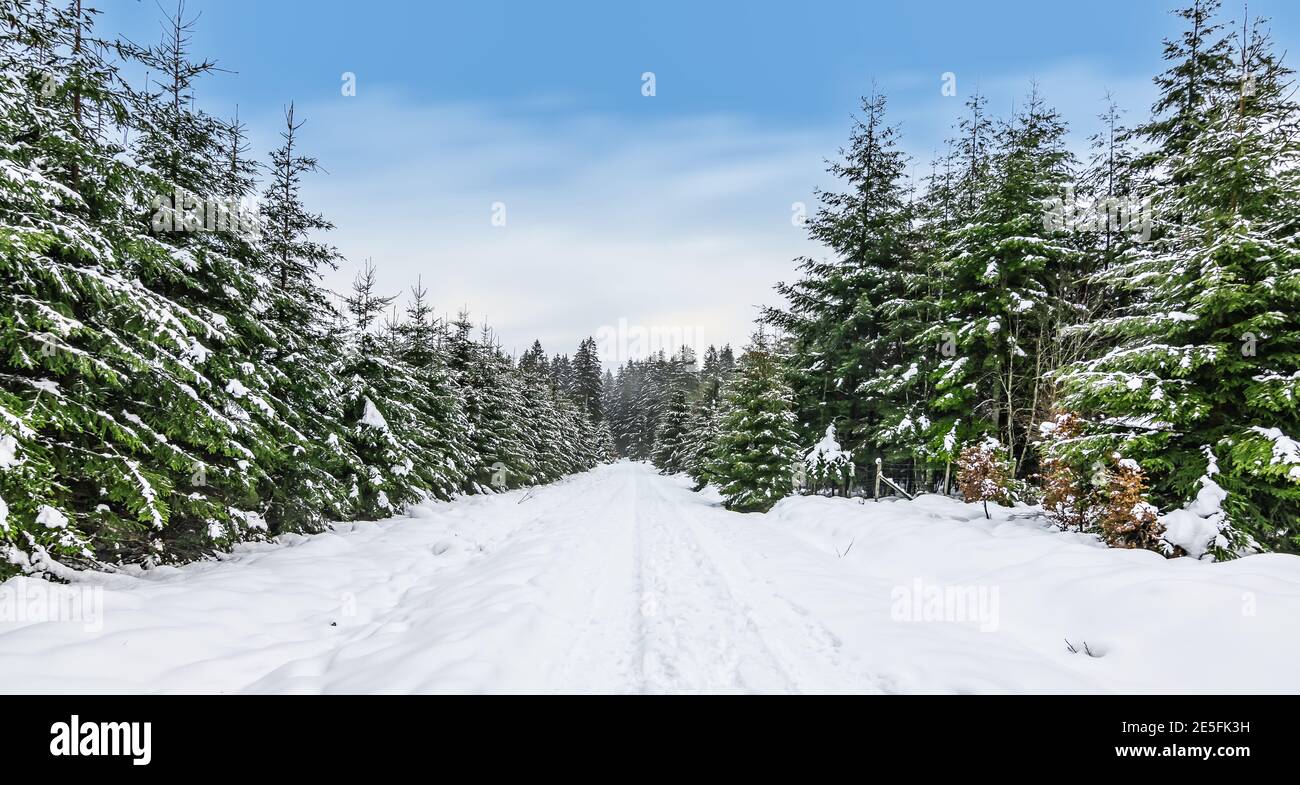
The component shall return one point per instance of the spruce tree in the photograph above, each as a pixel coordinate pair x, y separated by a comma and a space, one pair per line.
840, 305
587, 380
131, 430
315, 481
447, 455
757, 449
701, 440
1000, 268
1201, 389
671, 438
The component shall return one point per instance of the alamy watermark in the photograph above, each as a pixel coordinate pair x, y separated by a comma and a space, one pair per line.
626, 341
1118, 215
955, 604
78, 737
35, 601
183, 211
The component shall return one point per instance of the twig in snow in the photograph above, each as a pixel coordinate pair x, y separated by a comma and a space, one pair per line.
1086, 648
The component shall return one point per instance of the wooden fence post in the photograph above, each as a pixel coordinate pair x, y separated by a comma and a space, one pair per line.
877, 496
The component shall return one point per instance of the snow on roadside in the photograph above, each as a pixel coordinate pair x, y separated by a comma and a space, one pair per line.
621, 580
1150, 624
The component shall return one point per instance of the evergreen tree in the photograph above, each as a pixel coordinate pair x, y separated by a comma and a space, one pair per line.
505, 454
173, 378
671, 438
315, 482
1001, 267
127, 443
1201, 388
587, 380
446, 455
757, 449
838, 307
701, 439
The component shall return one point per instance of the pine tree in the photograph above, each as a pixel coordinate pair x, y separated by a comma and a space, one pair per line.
1204, 372
504, 447
178, 143
671, 438
173, 378
839, 306
587, 380
129, 443
1001, 267
387, 430
445, 455
701, 442
757, 448
316, 480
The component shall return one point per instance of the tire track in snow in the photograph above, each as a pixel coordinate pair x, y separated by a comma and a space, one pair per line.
698, 637
806, 652
605, 655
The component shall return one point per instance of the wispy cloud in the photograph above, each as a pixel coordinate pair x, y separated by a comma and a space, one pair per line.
683, 223
679, 222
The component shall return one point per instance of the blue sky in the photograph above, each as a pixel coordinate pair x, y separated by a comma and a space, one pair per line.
670, 212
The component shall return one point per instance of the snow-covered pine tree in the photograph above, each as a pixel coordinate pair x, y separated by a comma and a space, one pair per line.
605, 449
387, 427
957, 188
561, 369
573, 448
757, 449
683, 372
180, 144
561, 433
202, 252
671, 439
447, 456
646, 408
631, 378
839, 323
172, 378
726, 361
587, 380
120, 441
505, 452
313, 484
1000, 267
1202, 388
700, 444
828, 468
547, 432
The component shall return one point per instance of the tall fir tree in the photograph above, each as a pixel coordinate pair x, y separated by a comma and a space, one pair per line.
757, 449
671, 438
1201, 388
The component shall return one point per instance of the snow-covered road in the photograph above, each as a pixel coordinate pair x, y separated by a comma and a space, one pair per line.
621, 580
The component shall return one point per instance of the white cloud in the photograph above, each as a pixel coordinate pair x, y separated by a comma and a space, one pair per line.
670, 222
662, 223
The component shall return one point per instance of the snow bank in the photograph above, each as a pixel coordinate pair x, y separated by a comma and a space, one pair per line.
1151, 624
621, 580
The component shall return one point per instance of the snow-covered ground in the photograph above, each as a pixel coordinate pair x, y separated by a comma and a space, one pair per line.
620, 580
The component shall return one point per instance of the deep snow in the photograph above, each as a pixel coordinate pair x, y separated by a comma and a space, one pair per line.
620, 580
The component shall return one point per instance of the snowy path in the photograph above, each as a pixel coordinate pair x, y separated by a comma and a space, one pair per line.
620, 580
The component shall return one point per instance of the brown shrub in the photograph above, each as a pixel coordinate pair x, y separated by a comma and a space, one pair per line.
984, 474
1128, 520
